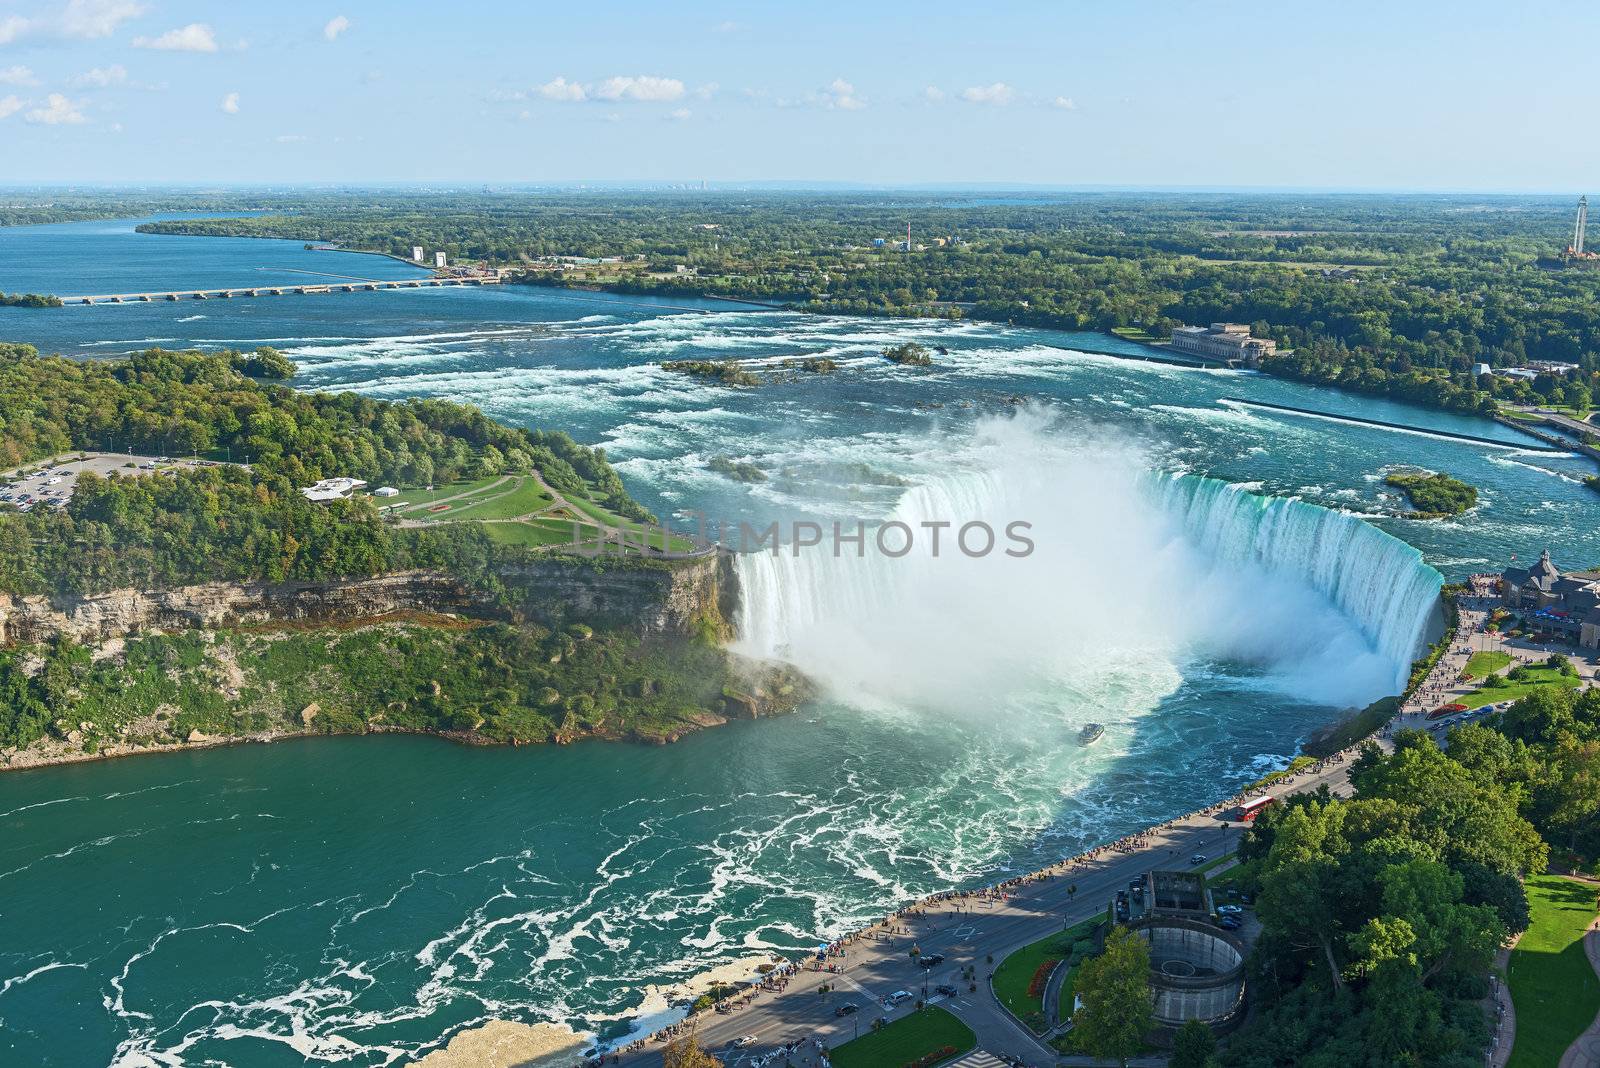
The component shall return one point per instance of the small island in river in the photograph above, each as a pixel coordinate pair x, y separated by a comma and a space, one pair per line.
1433, 495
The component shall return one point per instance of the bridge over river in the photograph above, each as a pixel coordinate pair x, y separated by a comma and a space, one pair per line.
369, 285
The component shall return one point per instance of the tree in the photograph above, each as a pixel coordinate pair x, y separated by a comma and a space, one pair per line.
1117, 1007
1192, 1046
686, 1053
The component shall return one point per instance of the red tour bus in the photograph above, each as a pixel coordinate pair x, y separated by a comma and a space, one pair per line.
1253, 808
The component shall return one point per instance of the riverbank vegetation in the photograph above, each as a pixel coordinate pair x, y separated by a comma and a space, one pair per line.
1381, 913
1433, 496
29, 300
478, 681
722, 372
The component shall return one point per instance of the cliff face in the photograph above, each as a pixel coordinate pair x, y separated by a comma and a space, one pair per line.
669, 601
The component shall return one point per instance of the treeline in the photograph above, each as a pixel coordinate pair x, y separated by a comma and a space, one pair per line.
29, 300
1382, 913
229, 522
192, 403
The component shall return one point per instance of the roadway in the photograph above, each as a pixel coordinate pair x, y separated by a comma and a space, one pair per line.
974, 930
366, 285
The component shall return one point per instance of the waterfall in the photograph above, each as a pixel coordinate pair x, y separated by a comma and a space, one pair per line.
1135, 575
1373, 577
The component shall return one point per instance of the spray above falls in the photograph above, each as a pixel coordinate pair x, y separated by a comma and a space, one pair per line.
1135, 580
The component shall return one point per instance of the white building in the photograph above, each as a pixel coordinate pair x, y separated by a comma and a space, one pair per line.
416, 253
331, 489
438, 259
386, 491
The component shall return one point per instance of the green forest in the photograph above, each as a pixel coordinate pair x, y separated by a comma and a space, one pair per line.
236, 522
1382, 912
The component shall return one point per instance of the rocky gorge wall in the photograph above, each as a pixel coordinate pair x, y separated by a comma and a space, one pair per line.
656, 599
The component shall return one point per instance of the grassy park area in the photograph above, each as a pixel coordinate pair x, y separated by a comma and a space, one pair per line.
918, 1038
1553, 986
1014, 981
1535, 677
1483, 664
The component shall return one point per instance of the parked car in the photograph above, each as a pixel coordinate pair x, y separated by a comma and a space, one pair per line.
1230, 923
745, 1040
1229, 910
849, 1008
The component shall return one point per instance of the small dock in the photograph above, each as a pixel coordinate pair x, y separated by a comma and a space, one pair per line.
354, 286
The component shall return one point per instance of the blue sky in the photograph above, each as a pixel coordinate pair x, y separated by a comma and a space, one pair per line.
1396, 95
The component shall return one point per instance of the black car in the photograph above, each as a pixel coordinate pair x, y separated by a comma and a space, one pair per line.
946, 989
847, 1009
932, 960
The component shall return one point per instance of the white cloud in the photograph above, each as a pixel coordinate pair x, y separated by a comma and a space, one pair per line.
842, 95
726, 27
230, 103
999, 94
558, 88
934, 94
195, 37
10, 105
645, 87
101, 77
96, 18
77, 19
290, 139
1064, 103
58, 111
18, 75
707, 91
336, 25
680, 114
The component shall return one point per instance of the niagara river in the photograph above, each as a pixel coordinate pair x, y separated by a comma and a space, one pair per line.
1210, 581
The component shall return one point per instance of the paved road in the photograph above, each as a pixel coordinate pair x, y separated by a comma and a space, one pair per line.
970, 930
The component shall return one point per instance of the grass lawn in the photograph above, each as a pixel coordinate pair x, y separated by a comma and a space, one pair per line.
1537, 677
653, 534
1235, 878
1015, 974
1215, 862
1553, 986
417, 498
521, 497
905, 1040
534, 532
1486, 663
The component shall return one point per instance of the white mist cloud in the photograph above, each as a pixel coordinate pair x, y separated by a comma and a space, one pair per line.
58, 111
997, 95
10, 105
843, 96
101, 77
74, 20
18, 75
645, 87
1064, 103
933, 94
195, 37
558, 88
336, 25
230, 103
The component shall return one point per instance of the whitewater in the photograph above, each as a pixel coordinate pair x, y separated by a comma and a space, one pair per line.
1210, 582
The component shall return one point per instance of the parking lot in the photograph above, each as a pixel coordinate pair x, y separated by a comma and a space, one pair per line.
50, 483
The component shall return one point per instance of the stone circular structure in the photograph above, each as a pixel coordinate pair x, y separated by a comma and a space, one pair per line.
1196, 971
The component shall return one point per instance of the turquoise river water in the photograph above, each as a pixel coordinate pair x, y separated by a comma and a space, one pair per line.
1210, 580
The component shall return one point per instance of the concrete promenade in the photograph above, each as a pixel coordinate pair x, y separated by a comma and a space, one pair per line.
978, 928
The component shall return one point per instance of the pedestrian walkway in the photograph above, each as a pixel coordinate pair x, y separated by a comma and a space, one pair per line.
1505, 1012
978, 1059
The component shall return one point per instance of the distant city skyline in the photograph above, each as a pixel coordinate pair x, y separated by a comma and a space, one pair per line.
1163, 94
